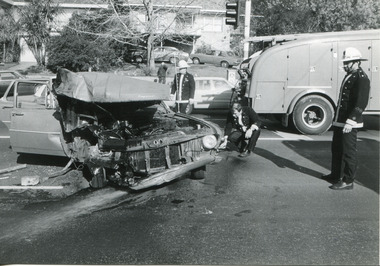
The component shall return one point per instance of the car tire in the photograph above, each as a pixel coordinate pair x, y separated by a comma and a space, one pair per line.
196, 61
313, 115
96, 176
189, 109
138, 59
173, 60
199, 173
224, 64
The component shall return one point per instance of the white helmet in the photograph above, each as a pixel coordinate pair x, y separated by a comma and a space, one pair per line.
352, 54
182, 64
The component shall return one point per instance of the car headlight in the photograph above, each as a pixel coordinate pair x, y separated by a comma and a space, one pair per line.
209, 142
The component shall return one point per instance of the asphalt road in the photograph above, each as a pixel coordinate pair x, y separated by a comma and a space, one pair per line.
269, 208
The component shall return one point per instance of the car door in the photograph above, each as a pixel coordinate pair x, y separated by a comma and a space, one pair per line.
203, 95
222, 91
6, 105
6, 79
35, 126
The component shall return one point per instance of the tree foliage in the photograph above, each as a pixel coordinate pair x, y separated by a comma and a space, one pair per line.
142, 24
306, 16
9, 36
82, 52
36, 21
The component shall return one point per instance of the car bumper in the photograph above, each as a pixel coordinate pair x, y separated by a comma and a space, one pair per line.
174, 172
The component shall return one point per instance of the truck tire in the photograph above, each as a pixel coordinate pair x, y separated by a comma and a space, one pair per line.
313, 115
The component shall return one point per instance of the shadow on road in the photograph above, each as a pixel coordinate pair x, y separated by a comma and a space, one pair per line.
44, 160
285, 163
320, 153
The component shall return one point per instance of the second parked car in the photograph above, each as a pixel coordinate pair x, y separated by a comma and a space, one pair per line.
161, 54
215, 57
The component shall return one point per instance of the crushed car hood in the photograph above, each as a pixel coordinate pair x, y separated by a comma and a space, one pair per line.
108, 88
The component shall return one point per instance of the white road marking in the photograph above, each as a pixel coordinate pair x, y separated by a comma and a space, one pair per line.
290, 136
31, 187
5, 137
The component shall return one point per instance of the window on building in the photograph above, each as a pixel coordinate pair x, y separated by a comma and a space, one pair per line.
184, 21
213, 24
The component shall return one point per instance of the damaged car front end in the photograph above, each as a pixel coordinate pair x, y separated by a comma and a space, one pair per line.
123, 132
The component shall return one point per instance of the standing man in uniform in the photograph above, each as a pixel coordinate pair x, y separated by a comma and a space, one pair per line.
242, 129
353, 99
183, 86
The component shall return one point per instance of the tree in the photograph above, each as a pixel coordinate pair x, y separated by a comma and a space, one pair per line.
9, 35
36, 20
142, 24
306, 16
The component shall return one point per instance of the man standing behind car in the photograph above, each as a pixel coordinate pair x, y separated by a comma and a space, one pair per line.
242, 126
353, 99
184, 87
161, 73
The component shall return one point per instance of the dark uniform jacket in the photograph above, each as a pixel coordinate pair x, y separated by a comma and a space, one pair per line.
249, 118
353, 99
188, 86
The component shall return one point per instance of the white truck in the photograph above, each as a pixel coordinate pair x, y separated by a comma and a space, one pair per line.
299, 78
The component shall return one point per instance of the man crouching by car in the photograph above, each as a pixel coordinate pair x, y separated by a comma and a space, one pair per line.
242, 129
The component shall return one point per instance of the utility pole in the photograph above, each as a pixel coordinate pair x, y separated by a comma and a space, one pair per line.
247, 23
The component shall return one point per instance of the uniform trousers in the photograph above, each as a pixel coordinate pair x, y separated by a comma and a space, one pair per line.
238, 141
181, 107
344, 155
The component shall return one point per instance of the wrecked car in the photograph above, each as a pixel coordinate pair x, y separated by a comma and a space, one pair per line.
119, 128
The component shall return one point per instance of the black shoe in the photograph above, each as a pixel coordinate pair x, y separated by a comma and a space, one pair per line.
245, 154
342, 186
330, 178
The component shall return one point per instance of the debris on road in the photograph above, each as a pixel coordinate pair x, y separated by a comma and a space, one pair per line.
30, 180
13, 168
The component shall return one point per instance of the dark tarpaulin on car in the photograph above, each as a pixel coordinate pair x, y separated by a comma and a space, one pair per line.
108, 87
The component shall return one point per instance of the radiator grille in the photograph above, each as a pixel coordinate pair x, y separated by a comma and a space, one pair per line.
162, 158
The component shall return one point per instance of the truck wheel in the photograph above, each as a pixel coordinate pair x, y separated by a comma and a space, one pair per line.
313, 115
196, 61
199, 173
224, 64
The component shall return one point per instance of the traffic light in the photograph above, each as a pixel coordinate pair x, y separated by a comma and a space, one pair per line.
232, 13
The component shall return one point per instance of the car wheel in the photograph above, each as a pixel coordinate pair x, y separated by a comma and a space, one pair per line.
199, 173
138, 59
173, 60
313, 115
189, 109
224, 64
196, 60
